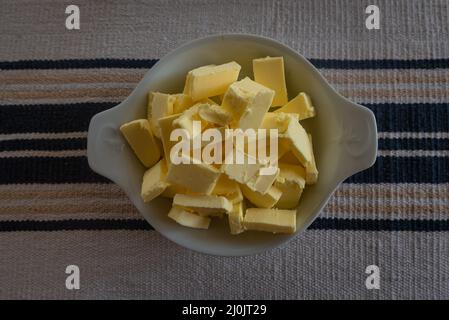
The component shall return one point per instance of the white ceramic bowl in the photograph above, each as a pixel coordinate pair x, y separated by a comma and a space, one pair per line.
344, 138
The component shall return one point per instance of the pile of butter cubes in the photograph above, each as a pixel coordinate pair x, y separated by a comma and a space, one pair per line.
214, 96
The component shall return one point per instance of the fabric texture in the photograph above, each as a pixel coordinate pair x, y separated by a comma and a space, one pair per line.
55, 212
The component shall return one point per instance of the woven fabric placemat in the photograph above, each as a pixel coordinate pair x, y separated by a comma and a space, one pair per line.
55, 212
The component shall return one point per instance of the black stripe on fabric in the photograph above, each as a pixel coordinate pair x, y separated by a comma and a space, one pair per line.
77, 64
419, 117
413, 144
380, 225
148, 63
44, 144
405, 170
140, 224
47, 170
49, 117
76, 170
391, 117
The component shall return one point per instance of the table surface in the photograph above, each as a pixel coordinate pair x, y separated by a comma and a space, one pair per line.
55, 212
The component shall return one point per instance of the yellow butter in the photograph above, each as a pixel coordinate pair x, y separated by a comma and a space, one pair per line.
262, 183
185, 120
270, 220
204, 205
291, 182
154, 182
196, 177
269, 72
214, 114
300, 105
189, 219
140, 137
298, 141
166, 127
288, 157
267, 200
211, 80
160, 105
248, 102
181, 102
228, 188
240, 172
235, 218
311, 170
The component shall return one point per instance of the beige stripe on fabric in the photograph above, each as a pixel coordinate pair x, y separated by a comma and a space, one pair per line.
367, 201
142, 264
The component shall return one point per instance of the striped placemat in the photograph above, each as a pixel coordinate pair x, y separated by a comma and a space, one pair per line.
54, 211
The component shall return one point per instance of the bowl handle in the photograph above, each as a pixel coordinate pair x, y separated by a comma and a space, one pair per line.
358, 139
104, 144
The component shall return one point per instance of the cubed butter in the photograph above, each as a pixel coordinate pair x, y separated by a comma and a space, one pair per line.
214, 114
173, 189
140, 138
248, 102
300, 105
270, 72
189, 219
185, 120
211, 80
262, 183
291, 182
204, 205
196, 177
311, 170
160, 105
270, 220
154, 182
181, 102
299, 142
235, 218
267, 200
228, 188
166, 127
242, 171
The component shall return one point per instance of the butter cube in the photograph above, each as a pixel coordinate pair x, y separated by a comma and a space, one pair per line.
212, 80
262, 183
235, 218
270, 220
298, 141
181, 103
185, 120
160, 105
196, 177
173, 189
214, 114
241, 172
269, 72
267, 200
166, 127
154, 183
300, 105
288, 157
140, 138
204, 205
228, 188
311, 170
291, 182
188, 219
248, 102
